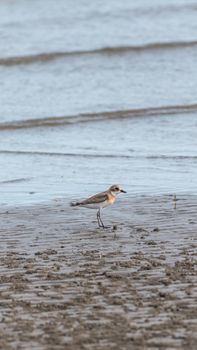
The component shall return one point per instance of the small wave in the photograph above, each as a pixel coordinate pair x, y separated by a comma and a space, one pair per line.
95, 155
119, 50
91, 117
14, 180
65, 154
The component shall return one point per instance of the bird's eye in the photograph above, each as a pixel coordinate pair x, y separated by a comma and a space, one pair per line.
116, 189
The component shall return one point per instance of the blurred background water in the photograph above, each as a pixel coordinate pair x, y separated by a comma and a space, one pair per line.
97, 92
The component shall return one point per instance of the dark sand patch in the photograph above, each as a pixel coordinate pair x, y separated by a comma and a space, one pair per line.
64, 284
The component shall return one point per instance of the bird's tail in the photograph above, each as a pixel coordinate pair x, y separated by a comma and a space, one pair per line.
74, 204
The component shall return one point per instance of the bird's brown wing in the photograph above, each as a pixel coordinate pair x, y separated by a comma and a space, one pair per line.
97, 198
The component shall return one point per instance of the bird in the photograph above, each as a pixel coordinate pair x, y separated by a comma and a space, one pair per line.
100, 201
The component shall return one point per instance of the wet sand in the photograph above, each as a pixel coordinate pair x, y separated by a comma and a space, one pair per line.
65, 284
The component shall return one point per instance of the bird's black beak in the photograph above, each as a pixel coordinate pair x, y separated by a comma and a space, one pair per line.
123, 191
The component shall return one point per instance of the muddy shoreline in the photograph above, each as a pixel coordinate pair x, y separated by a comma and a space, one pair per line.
65, 284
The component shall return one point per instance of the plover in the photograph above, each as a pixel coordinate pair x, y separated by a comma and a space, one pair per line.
100, 201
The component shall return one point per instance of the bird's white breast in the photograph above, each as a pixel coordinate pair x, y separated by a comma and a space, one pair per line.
96, 205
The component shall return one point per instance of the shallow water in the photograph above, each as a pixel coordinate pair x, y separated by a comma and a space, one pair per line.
91, 25
95, 94
99, 83
149, 157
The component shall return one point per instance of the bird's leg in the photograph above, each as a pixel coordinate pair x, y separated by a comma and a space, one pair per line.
98, 218
99, 214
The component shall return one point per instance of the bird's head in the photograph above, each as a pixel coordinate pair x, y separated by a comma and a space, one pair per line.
115, 189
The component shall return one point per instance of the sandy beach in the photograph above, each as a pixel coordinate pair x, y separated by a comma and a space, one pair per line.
65, 284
